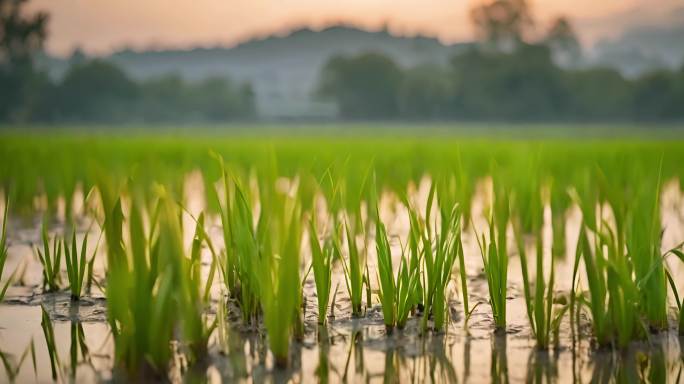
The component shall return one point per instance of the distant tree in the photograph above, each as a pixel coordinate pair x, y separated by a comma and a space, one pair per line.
425, 93
522, 85
364, 86
20, 36
96, 91
502, 24
218, 99
164, 98
562, 40
77, 57
597, 94
655, 97
171, 99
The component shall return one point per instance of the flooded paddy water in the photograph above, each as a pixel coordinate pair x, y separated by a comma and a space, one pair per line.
348, 348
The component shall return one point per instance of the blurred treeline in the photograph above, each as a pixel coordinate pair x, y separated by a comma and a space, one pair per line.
513, 73
523, 85
97, 91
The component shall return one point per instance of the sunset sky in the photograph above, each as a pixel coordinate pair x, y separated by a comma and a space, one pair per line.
101, 26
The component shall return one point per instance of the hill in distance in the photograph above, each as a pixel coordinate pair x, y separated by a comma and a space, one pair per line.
283, 70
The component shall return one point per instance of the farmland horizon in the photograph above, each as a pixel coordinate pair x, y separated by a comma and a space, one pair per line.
349, 130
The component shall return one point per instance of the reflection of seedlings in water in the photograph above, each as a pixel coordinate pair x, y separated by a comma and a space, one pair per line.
499, 362
237, 356
630, 366
49, 334
466, 359
78, 346
13, 368
50, 261
390, 375
542, 367
323, 368
232, 346
355, 347
603, 366
440, 367
657, 367
574, 360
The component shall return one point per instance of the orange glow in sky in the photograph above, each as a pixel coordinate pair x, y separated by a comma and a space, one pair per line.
101, 26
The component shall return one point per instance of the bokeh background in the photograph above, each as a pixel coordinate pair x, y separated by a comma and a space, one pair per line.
210, 61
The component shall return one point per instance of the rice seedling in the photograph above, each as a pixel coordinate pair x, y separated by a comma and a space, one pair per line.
353, 267
242, 248
437, 253
51, 261
588, 215
141, 302
614, 300
352, 227
3, 250
642, 239
321, 263
495, 257
77, 265
454, 196
407, 280
448, 247
222, 326
386, 276
540, 304
225, 204
416, 253
598, 291
194, 296
396, 295
680, 304
279, 280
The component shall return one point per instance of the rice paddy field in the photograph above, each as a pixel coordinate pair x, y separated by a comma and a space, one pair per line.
341, 258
